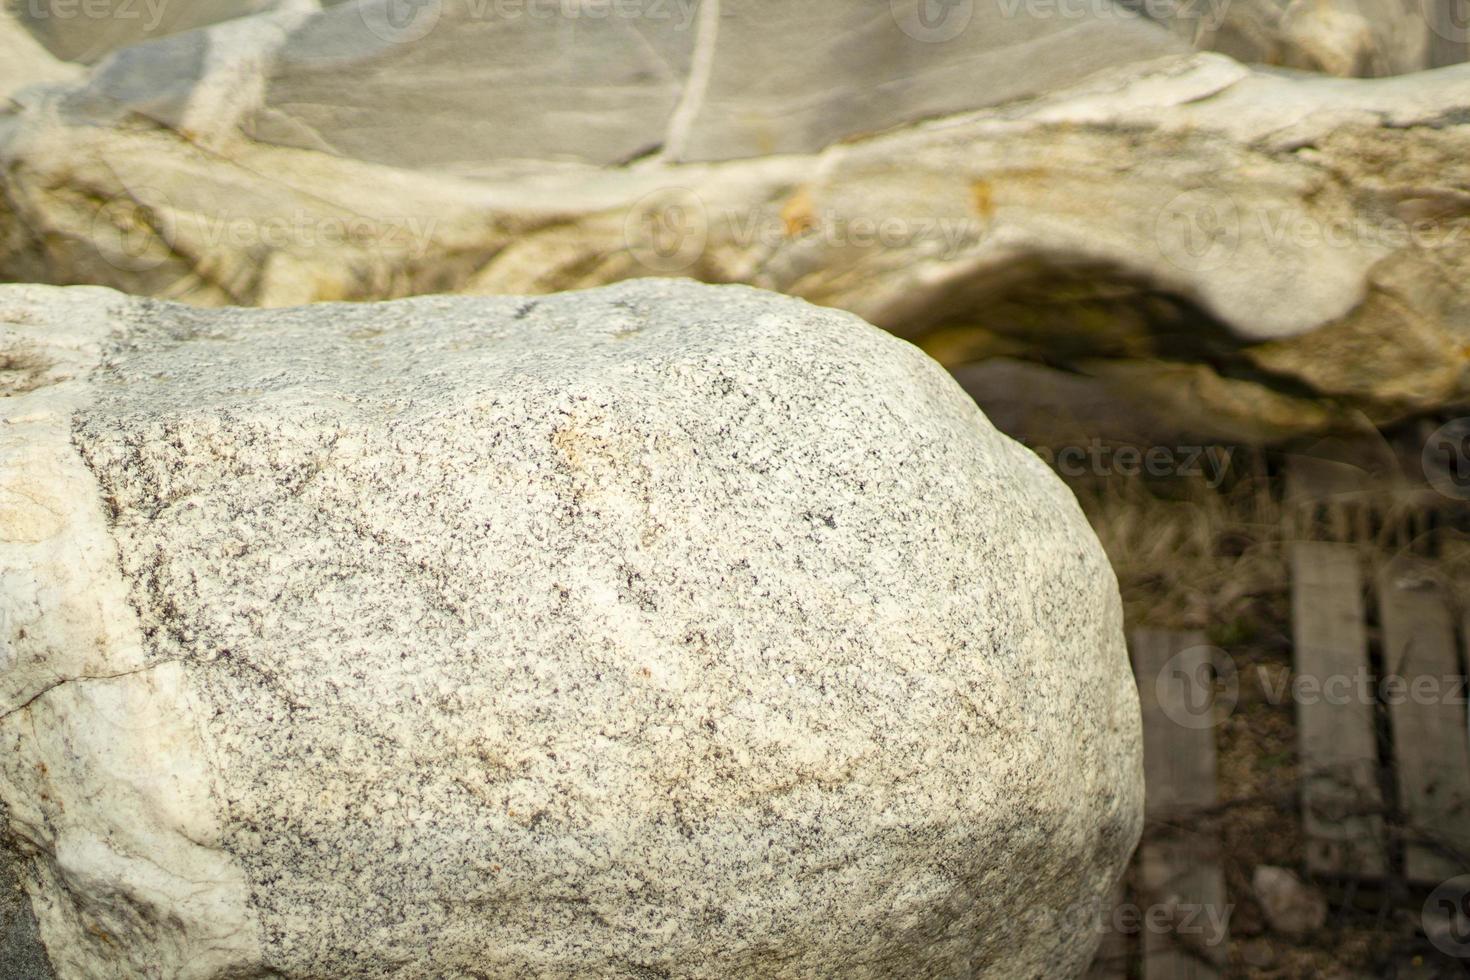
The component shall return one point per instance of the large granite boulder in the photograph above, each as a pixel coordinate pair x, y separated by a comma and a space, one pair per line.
659, 630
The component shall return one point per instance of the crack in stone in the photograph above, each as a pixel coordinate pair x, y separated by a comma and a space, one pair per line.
83, 677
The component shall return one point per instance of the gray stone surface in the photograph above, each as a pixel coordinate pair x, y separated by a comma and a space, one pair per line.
460, 85
795, 77
88, 31
22, 957
657, 630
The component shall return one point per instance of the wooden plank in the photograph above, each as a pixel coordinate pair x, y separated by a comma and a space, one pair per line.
1336, 729
1175, 695
1330, 489
1423, 686
1179, 871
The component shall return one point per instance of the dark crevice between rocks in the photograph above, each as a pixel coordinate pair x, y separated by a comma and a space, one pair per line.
22, 955
1069, 316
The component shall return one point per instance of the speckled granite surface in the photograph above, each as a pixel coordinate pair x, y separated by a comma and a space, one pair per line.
659, 630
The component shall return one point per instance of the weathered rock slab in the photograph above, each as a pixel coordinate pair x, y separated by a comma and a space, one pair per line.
658, 630
1281, 254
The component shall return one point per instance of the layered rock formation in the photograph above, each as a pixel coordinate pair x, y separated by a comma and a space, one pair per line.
1238, 254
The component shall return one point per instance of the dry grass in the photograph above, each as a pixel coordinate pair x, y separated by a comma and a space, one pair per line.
1188, 556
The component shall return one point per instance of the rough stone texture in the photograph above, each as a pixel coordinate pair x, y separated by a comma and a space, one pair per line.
660, 630
1292, 907
1347, 38
1270, 255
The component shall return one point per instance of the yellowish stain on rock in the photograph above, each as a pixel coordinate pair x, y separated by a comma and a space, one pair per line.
982, 197
797, 214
